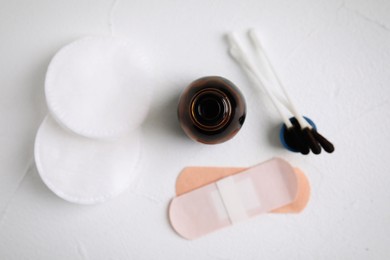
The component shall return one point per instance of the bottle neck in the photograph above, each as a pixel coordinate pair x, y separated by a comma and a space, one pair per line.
211, 109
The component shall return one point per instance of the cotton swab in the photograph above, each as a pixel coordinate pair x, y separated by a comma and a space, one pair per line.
241, 58
310, 133
238, 54
305, 126
304, 138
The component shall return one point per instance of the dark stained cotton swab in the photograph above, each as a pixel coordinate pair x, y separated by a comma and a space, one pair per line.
301, 137
328, 146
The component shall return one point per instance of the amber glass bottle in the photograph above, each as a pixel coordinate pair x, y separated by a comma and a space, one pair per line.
211, 110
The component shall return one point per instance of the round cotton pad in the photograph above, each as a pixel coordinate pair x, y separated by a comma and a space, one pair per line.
99, 87
83, 170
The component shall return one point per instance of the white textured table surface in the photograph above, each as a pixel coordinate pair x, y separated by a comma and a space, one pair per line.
334, 57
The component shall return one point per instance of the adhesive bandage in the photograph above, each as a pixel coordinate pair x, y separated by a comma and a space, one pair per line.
192, 178
257, 190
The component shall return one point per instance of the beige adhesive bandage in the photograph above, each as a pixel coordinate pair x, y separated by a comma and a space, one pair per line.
257, 190
195, 177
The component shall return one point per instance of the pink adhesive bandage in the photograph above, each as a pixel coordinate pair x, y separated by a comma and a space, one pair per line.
192, 178
232, 199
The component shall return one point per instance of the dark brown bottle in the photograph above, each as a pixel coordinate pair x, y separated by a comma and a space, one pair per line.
211, 110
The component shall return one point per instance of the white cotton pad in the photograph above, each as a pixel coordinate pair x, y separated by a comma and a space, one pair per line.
84, 170
99, 87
